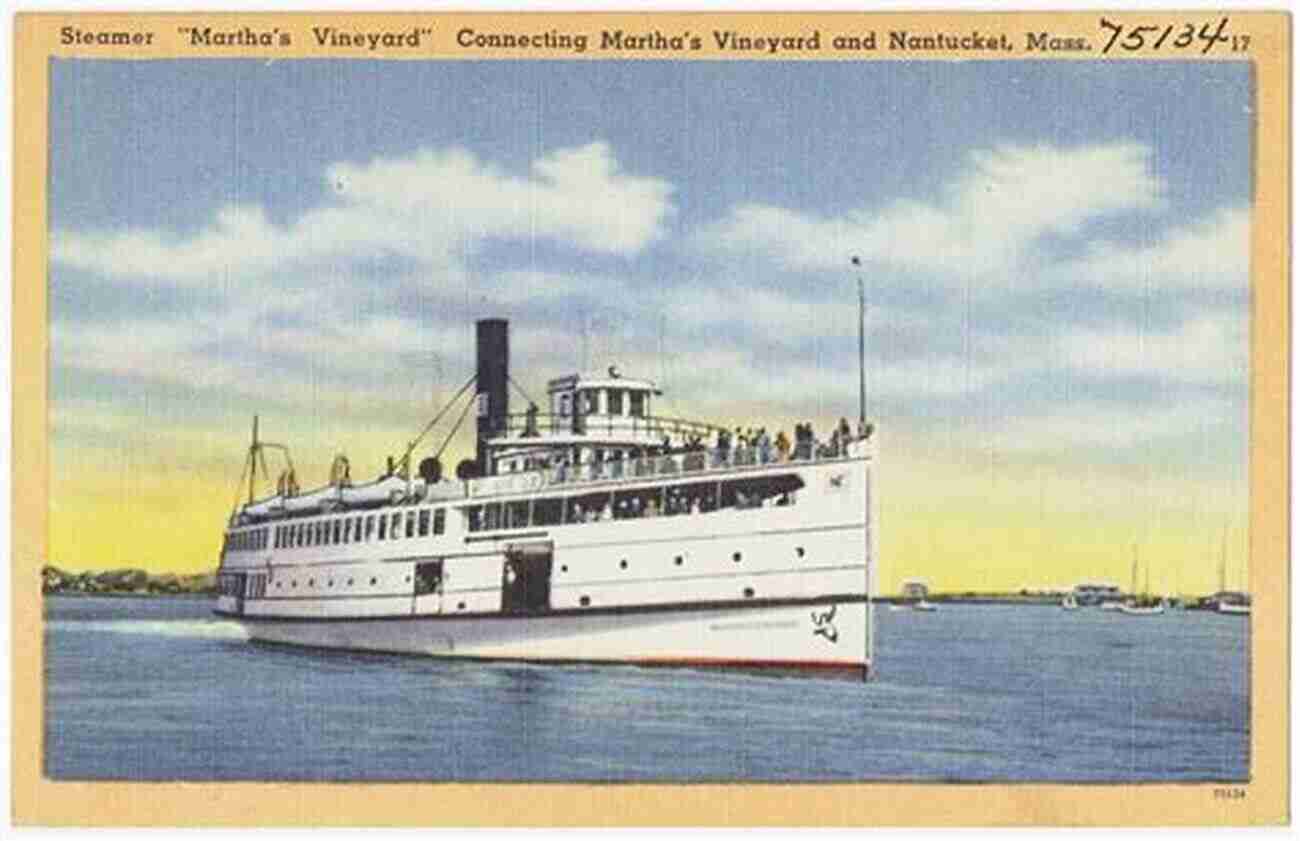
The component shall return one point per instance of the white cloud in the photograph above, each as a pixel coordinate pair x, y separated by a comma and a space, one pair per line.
996, 208
325, 339
429, 206
1114, 428
1208, 253
1208, 349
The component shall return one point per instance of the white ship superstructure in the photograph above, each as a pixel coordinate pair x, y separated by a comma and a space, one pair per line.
596, 531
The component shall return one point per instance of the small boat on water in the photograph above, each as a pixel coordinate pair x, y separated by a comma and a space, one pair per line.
920, 605
1145, 604
1225, 601
1069, 603
1140, 609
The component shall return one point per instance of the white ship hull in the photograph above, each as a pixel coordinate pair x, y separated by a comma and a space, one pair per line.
830, 636
594, 537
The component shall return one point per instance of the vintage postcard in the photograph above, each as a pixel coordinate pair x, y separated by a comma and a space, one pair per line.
651, 419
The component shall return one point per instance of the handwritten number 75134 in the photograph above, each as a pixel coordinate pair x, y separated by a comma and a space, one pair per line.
1179, 36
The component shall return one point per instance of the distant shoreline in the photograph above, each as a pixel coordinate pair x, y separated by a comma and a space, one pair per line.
125, 594
125, 582
142, 584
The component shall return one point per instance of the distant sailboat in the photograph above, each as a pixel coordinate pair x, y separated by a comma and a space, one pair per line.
1141, 605
1226, 602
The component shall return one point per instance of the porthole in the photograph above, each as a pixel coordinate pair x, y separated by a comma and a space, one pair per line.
331, 582
294, 584
798, 550
678, 560
408, 579
351, 581
622, 564
460, 606
311, 582
584, 601
564, 568
374, 581
278, 584
749, 592
735, 556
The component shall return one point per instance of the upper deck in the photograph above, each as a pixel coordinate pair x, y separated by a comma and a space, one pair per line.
696, 463
600, 428
662, 469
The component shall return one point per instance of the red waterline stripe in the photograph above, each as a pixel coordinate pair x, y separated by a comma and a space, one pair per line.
724, 662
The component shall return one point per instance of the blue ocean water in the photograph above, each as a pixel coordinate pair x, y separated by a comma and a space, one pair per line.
159, 689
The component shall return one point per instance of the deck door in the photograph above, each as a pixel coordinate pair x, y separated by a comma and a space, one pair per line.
428, 587
526, 577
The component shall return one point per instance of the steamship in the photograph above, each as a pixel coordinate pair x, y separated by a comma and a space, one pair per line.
595, 532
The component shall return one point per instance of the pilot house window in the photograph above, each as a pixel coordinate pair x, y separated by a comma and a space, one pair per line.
636, 404
615, 401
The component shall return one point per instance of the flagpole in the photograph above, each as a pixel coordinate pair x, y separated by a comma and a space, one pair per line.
862, 348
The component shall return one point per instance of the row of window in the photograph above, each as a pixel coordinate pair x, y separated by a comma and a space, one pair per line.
247, 541
362, 528
587, 401
632, 503
329, 582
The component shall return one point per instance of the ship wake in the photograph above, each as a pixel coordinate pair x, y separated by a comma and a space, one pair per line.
192, 628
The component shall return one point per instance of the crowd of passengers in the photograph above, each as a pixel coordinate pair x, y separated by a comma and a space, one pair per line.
675, 501
741, 446
595, 507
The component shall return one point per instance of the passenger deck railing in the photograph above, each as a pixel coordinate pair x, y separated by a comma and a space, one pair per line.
671, 464
538, 425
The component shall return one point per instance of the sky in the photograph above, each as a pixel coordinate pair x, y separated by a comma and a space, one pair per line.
1055, 257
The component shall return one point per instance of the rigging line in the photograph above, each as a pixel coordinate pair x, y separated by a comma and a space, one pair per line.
431, 424
261, 457
239, 487
520, 389
464, 412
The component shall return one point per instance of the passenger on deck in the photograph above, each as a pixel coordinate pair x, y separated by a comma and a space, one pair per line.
782, 446
804, 441
723, 450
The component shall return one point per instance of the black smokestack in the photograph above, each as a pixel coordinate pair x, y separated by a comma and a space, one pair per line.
492, 383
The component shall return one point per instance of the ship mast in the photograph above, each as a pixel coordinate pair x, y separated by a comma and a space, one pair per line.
252, 462
862, 347
257, 455
1223, 561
